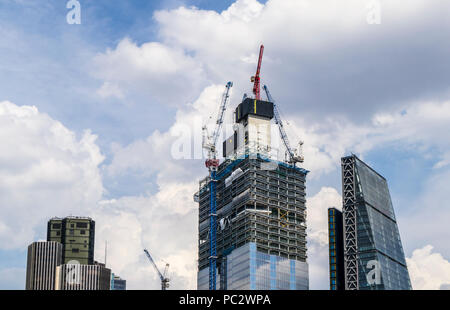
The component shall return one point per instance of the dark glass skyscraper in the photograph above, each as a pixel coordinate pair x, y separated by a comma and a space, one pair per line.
117, 283
373, 253
336, 246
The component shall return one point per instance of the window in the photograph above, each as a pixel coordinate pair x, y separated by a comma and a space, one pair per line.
82, 232
75, 250
82, 225
71, 232
58, 233
56, 226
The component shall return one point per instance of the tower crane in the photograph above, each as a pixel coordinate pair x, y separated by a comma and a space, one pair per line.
164, 280
294, 157
256, 79
212, 163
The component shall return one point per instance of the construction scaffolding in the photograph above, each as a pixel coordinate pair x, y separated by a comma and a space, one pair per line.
255, 205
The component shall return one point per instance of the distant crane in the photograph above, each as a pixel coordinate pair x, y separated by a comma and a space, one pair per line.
294, 157
212, 163
162, 276
256, 79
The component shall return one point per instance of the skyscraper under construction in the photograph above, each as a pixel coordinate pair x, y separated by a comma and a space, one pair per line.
261, 213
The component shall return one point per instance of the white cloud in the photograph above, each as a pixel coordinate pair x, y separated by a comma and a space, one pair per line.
109, 89
161, 153
45, 171
167, 75
420, 126
428, 270
165, 224
429, 211
317, 219
222, 46
317, 222
45, 161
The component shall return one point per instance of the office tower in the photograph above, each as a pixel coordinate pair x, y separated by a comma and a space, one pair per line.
117, 283
261, 213
336, 249
373, 253
42, 261
83, 277
77, 235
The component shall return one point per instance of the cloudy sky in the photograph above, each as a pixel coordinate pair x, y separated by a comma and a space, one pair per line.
92, 115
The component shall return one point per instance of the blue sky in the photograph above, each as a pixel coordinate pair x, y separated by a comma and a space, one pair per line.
111, 92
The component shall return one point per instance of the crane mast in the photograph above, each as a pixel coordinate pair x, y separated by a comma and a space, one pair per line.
256, 79
164, 279
210, 142
212, 163
293, 158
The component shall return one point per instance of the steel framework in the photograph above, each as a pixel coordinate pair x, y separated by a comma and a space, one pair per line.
164, 280
293, 158
262, 206
212, 163
350, 226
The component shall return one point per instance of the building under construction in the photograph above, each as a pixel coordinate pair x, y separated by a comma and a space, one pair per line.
259, 228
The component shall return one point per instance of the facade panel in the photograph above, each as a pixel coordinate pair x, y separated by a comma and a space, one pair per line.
249, 269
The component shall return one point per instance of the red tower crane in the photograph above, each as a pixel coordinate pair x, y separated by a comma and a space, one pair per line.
255, 79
